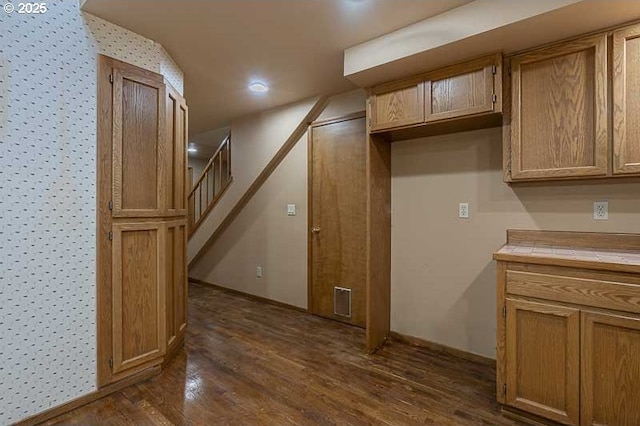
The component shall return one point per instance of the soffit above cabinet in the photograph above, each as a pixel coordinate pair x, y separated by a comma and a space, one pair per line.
478, 28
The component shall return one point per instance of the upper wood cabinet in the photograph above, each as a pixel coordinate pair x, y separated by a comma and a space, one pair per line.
626, 100
397, 104
464, 90
559, 111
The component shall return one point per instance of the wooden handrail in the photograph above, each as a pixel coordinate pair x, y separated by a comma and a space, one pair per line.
201, 188
279, 156
209, 164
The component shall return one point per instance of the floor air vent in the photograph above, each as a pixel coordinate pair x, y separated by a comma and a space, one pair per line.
342, 301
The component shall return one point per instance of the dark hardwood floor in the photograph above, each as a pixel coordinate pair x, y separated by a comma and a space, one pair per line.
247, 362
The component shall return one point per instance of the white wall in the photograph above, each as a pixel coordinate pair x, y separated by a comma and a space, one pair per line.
255, 140
47, 200
262, 234
443, 276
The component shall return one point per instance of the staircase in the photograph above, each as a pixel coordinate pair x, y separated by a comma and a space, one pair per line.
210, 186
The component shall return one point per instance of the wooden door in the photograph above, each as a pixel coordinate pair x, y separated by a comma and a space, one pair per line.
337, 219
559, 111
139, 146
610, 372
397, 104
626, 101
542, 360
462, 90
139, 281
176, 275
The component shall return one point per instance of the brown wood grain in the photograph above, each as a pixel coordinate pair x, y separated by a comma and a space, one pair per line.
139, 280
133, 123
378, 241
139, 151
248, 362
610, 371
559, 111
501, 331
397, 104
543, 360
626, 100
463, 89
337, 208
582, 291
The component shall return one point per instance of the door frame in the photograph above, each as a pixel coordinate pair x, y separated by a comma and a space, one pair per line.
353, 116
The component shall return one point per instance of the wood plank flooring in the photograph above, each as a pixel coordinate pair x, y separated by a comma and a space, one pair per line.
247, 362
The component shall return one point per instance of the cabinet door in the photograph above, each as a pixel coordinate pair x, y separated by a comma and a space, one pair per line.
139, 151
559, 111
138, 294
542, 360
176, 146
610, 370
176, 273
461, 90
626, 101
398, 104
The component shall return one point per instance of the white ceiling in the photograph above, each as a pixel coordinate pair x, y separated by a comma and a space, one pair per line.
296, 46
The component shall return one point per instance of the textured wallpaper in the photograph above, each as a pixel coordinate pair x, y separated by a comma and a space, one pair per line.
47, 199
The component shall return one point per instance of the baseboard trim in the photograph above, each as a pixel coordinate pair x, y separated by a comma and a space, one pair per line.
521, 416
248, 295
447, 350
88, 398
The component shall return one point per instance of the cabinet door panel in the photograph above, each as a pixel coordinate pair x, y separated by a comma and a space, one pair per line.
176, 148
398, 104
461, 90
176, 281
610, 370
138, 145
542, 360
138, 294
559, 111
626, 101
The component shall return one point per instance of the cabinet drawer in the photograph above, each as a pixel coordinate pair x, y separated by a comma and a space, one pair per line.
582, 291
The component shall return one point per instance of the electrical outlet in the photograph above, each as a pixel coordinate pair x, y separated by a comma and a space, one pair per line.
291, 209
601, 210
259, 271
463, 210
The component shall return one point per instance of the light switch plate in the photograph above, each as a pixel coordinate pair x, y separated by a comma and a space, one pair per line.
601, 210
463, 210
291, 209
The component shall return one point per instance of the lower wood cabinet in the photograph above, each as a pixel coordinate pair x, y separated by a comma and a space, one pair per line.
568, 341
543, 359
610, 371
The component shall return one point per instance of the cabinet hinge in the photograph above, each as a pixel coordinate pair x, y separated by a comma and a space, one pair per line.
111, 363
504, 311
110, 204
110, 235
494, 70
509, 70
504, 388
494, 98
369, 122
111, 78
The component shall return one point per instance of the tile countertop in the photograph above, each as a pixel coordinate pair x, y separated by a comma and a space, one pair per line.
611, 260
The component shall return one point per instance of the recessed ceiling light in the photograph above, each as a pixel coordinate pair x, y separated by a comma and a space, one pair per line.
258, 87
192, 149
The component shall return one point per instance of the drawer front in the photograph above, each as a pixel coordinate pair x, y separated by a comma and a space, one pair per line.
582, 291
